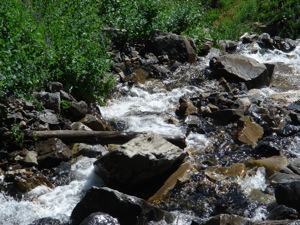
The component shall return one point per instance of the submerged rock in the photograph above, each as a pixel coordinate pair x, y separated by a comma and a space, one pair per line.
272, 164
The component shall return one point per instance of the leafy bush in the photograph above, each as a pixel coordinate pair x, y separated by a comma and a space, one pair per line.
59, 40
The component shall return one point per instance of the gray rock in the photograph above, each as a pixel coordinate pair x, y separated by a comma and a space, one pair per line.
228, 45
282, 212
177, 47
127, 209
139, 160
239, 68
48, 117
224, 219
31, 158
91, 151
56, 87
51, 152
78, 110
51, 101
93, 122
100, 219
66, 96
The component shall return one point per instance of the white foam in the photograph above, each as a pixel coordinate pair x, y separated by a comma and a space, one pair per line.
260, 214
197, 141
257, 181
144, 111
46, 202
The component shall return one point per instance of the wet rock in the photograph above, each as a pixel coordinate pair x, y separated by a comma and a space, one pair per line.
186, 107
26, 179
93, 122
51, 152
177, 47
265, 41
62, 174
220, 173
181, 175
127, 209
288, 194
77, 110
47, 221
100, 219
205, 47
295, 117
238, 68
225, 116
248, 38
277, 222
159, 72
269, 146
285, 45
225, 219
288, 174
249, 132
141, 159
149, 59
138, 76
272, 164
282, 212
91, 151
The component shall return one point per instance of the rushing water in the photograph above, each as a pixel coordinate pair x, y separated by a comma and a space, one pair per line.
148, 108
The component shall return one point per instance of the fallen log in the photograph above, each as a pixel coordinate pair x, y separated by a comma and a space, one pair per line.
93, 137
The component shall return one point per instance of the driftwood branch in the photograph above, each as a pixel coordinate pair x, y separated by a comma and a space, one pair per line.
93, 137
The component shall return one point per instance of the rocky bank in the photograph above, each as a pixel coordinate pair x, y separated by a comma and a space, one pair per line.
156, 179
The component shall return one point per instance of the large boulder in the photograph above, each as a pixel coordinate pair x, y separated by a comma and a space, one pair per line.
239, 68
138, 161
177, 47
127, 209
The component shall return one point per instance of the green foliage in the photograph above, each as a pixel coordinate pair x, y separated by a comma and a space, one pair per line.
65, 104
233, 18
281, 17
59, 40
62, 40
139, 17
17, 135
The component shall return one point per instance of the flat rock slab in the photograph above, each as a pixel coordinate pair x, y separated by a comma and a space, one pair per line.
238, 68
139, 160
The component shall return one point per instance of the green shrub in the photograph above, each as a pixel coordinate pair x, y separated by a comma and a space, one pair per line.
59, 40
